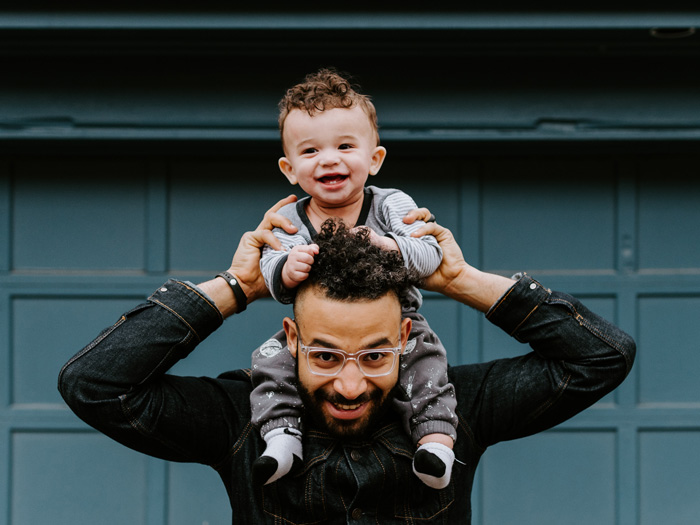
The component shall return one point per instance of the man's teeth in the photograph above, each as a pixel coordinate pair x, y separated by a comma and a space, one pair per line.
347, 407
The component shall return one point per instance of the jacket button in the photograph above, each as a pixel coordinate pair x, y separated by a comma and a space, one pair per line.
356, 513
355, 455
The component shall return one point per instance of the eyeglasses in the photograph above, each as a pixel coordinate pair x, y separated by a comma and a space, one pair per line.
372, 362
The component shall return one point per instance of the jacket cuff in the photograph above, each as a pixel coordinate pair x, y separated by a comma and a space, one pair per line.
517, 304
190, 305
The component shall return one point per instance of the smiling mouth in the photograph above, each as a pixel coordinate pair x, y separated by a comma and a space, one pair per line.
332, 179
347, 407
346, 411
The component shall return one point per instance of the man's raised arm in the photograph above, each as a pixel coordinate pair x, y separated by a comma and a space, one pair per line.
578, 357
118, 383
454, 277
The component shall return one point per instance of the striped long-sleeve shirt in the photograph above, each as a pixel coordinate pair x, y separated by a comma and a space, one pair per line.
383, 210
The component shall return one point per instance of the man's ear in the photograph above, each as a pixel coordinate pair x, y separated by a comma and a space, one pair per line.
290, 328
378, 156
406, 325
288, 170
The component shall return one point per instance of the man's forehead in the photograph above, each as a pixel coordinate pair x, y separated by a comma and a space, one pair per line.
314, 311
317, 294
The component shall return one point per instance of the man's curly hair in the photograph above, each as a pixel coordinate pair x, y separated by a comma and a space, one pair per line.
349, 267
322, 90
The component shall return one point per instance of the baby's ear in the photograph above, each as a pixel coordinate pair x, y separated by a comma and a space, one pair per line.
288, 170
378, 156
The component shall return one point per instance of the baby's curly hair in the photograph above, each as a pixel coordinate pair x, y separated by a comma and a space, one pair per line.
322, 90
349, 267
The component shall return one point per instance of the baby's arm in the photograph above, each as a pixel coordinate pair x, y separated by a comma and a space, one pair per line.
385, 243
422, 254
273, 262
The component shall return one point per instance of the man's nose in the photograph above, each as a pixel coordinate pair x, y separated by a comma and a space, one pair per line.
351, 382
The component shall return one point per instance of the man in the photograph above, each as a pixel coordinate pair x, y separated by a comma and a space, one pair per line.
357, 458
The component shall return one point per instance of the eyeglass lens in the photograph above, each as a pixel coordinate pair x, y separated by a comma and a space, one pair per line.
372, 363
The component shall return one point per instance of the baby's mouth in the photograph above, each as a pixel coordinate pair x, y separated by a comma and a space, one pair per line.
332, 179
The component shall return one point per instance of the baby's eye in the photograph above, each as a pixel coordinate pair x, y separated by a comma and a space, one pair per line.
308, 151
345, 146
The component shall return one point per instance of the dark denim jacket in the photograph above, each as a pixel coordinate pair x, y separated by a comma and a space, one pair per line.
118, 385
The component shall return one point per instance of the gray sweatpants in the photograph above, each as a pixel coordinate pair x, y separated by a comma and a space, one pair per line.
426, 402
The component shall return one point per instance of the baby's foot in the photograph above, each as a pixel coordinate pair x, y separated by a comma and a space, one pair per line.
282, 454
432, 463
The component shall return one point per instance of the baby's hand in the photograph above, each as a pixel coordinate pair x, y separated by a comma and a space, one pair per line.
385, 243
298, 265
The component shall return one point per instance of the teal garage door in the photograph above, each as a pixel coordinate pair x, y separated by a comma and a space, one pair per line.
138, 144
83, 239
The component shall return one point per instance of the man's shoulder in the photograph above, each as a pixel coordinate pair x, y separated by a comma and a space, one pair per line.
468, 378
240, 378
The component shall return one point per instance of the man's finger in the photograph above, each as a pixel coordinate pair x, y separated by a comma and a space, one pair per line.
259, 238
419, 214
431, 228
273, 219
283, 202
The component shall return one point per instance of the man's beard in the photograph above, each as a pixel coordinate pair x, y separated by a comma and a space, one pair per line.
346, 429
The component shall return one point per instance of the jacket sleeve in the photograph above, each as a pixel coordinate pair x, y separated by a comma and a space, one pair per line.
422, 254
577, 358
118, 383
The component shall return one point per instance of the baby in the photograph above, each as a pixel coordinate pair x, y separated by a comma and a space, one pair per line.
331, 144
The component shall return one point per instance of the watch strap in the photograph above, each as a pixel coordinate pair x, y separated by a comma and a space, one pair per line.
241, 299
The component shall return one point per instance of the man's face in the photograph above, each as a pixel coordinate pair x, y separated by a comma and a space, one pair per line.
348, 404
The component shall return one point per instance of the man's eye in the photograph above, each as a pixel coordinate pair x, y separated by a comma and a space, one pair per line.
374, 356
325, 357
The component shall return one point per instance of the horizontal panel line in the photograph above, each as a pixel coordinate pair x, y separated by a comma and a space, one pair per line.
141, 133
365, 20
77, 283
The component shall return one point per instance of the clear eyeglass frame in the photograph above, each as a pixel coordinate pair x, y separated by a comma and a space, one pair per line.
357, 356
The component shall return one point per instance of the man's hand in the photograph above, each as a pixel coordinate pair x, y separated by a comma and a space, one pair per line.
298, 265
246, 261
419, 214
453, 266
454, 277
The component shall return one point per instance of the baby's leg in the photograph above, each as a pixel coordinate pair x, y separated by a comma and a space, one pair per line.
276, 409
429, 406
433, 460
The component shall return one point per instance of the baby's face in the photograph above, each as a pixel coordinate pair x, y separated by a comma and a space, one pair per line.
331, 154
